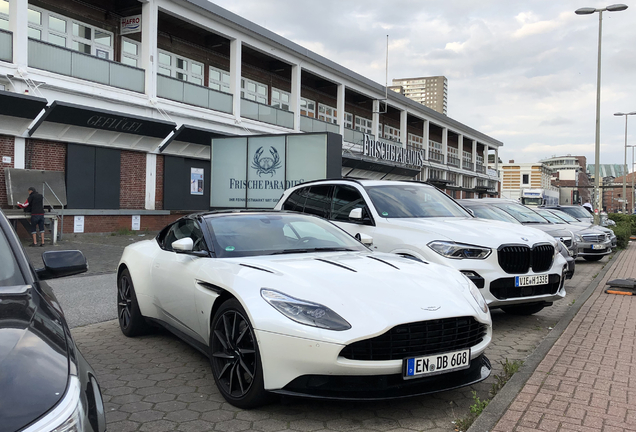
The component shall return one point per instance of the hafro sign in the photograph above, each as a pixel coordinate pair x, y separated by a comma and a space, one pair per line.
131, 24
253, 172
392, 152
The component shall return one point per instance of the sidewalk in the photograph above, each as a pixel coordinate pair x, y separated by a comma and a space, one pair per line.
587, 380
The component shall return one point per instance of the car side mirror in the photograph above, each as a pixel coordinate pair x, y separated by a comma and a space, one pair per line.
366, 240
186, 246
472, 213
62, 263
356, 214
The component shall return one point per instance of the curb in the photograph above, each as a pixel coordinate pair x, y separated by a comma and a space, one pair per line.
497, 407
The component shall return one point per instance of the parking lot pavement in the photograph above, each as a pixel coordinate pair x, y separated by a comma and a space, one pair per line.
158, 383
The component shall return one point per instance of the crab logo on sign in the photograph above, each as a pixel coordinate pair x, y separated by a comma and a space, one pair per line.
266, 165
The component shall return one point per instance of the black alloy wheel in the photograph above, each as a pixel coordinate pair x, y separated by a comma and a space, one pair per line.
131, 321
235, 357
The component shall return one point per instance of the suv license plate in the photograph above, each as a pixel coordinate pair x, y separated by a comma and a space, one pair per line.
417, 367
598, 246
521, 281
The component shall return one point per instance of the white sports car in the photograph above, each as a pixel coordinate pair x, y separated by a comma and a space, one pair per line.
289, 303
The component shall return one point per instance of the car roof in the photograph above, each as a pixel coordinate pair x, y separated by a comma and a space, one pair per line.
363, 182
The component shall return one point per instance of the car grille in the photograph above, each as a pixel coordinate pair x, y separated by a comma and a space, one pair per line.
505, 288
594, 238
418, 339
518, 258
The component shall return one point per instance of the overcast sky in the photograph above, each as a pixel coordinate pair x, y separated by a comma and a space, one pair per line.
522, 72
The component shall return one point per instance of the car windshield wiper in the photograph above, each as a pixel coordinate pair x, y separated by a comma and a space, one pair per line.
531, 222
309, 250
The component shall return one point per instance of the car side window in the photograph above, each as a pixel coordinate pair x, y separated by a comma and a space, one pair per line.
185, 228
345, 199
319, 201
296, 201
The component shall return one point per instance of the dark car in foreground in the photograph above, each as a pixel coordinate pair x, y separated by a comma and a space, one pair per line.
45, 383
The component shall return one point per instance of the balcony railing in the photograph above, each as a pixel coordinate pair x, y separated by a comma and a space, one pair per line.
436, 157
352, 136
308, 124
6, 46
453, 161
467, 165
480, 168
193, 94
63, 61
267, 114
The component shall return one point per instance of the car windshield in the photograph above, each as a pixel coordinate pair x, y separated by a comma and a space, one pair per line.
413, 200
10, 274
577, 212
252, 234
551, 217
521, 213
563, 215
488, 212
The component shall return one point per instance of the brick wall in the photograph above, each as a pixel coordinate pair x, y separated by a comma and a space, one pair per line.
159, 184
132, 180
45, 155
6, 149
106, 224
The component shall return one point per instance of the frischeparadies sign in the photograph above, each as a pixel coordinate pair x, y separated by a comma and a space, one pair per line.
254, 172
391, 152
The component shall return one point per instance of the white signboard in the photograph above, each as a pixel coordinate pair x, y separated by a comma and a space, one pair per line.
6, 159
131, 24
392, 152
78, 224
136, 223
229, 176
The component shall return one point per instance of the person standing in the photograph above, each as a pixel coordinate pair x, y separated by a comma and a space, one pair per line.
35, 205
588, 207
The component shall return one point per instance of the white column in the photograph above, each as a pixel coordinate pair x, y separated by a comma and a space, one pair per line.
235, 75
404, 128
19, 152
375, 121
294, 103
340, 107
149, 60
474, 155
18, 25
445, 144
426, 135
151, 180
497, 159
460, 149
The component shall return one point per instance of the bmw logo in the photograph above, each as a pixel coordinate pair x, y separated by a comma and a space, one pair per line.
524, 239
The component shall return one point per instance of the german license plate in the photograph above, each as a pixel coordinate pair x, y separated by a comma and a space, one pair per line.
599, 246
417, 367
521, 281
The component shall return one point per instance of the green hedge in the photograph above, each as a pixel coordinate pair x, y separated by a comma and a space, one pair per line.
623, 231
628, 219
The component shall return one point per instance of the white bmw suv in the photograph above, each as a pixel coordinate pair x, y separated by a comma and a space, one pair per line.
516, 268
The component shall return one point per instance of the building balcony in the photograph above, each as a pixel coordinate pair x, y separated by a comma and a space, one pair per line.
64, 61
267, 114
436, 157
480, 168
468, 165
310, 124
453, 161
193, 94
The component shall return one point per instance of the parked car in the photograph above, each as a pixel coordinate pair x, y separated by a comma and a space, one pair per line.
516, 268
580, 213
288, 303
46, 384
583, 222
566, 245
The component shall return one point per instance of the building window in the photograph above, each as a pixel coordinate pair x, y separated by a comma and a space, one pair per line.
480, 159
453, 178
452, 151
467, 156
348, 120
66, 32
327, 113
391, 133
4, 15
526, 179
280, 99
307, 108
180, 68
416, 141
436, 174
254, 91
364, 125
219, 79
130, 50
467, 182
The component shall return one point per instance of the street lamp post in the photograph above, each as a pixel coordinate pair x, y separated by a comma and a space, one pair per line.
597, 141
625, 166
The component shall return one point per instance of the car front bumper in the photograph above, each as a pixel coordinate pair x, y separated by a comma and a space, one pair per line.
589, 249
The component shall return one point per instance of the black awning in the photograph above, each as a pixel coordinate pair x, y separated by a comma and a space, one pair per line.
192, 135
19, 105
378, 166
90, 117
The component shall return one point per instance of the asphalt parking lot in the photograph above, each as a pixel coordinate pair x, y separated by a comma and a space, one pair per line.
158, 383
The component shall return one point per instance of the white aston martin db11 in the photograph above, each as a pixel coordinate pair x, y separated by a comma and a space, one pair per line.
289, 303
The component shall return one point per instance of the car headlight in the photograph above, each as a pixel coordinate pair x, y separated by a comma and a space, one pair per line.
459, 250
68, 414
474, 291
304, 312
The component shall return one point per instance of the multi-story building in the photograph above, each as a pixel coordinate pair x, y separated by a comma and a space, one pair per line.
516, 177
574, 184
613, 193
429, 91
148, 108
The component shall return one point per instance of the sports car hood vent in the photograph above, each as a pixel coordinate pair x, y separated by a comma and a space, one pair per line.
336, 264
257, 268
